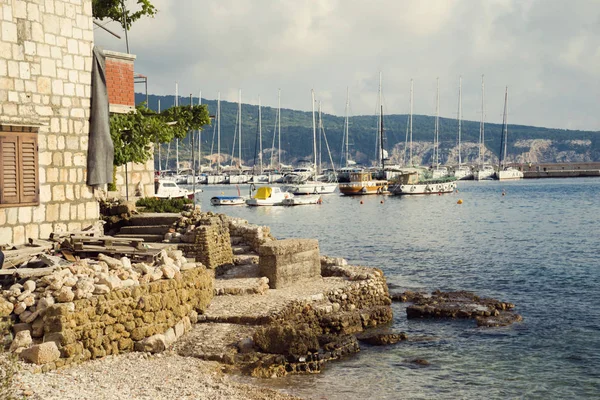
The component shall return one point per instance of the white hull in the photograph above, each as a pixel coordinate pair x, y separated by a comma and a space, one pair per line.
307, 188
238, 179
424, 188
486, 173
268, 196
303, 200
215, 179
463, 173
228, 200
510, 174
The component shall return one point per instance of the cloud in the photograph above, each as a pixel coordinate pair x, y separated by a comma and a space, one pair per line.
546, 51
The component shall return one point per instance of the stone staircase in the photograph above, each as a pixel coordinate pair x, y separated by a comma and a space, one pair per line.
151, 227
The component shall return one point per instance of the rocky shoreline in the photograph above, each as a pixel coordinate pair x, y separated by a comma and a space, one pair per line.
256, 306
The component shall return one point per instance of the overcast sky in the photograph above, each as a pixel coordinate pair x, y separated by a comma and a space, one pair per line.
546, 51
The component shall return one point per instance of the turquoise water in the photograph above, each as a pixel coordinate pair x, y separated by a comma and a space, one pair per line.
538, 247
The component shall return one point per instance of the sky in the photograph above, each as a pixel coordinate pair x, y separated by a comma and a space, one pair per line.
546, 51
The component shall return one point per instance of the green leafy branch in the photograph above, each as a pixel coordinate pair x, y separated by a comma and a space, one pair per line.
112, 9
134, 133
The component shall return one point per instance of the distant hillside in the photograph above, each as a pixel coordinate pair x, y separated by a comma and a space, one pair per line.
525, 143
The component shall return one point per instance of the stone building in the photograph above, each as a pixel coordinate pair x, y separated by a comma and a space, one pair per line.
45, 90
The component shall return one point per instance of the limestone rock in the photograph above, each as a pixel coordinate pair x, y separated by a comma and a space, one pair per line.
126, 263
22, 326
37, 328
6, 307
65, 294
29, 301
41, 353
153, 344
20, 308
45, 302
22, 339
170, 337
101, 289
168, 271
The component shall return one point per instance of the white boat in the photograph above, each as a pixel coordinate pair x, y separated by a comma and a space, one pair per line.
461, 172
165, 189
505, 172
268, 196
311, 187
484, 172
410, 183
303, 200
509, 173
228, 200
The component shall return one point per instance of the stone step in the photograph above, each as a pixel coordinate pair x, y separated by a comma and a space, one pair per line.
151, 219
148, 238
241, 287
145, 229
241, 249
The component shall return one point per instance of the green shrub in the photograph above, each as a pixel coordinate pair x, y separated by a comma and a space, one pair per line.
152, 204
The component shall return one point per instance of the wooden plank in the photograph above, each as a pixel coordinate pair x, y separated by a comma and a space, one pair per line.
25, 273
106, 238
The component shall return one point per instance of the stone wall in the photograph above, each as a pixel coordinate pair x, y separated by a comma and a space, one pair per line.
140, 179
210, 241
45, 81
111, 323
250, 235
290, 261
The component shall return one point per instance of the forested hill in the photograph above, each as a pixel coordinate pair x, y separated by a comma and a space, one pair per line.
525, 143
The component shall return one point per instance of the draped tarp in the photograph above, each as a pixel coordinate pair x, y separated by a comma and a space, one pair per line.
100, 149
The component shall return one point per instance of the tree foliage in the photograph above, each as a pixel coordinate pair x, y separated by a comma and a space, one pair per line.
112, 9
134, 133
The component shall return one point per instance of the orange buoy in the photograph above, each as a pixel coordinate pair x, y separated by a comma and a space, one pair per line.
459, 201
361, 202
381, 201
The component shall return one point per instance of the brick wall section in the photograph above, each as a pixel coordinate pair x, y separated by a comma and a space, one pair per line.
45, 80
289, 261
110, 324
119, 78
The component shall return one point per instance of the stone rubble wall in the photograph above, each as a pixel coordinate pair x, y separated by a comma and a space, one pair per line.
211, 243
45, 81
243, 233
111, 323
290, 261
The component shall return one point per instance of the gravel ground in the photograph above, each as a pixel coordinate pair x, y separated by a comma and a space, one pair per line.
140, 376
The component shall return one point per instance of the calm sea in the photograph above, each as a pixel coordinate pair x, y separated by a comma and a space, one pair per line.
537, 246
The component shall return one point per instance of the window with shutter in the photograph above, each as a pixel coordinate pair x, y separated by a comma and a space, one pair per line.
19, 175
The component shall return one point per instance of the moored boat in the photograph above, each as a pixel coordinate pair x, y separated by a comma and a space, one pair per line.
166, 189
410, 184
362, 183
303, 200
228, 200
268, 196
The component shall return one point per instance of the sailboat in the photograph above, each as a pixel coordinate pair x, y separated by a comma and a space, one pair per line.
418, 180
236, 173
483, 170
436, 170
505, 172
312, 186
461, 172
217, 177
362, 182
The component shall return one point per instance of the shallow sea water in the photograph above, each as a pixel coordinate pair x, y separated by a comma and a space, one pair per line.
538, 247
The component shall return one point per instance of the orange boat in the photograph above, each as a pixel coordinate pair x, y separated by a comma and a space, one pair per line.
362, 183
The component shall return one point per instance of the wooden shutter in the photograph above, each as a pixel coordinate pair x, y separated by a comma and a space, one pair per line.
19, 176
29, 169
9, 172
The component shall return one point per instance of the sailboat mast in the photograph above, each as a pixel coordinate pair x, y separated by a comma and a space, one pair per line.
410, 133
380, 123
159, 146
436, 144
505, 128
260, 160
482, 125
459, 117
200, 138
240, 126
279, 128
176, 140
320, 143
218, 132
312, 92
346, 122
